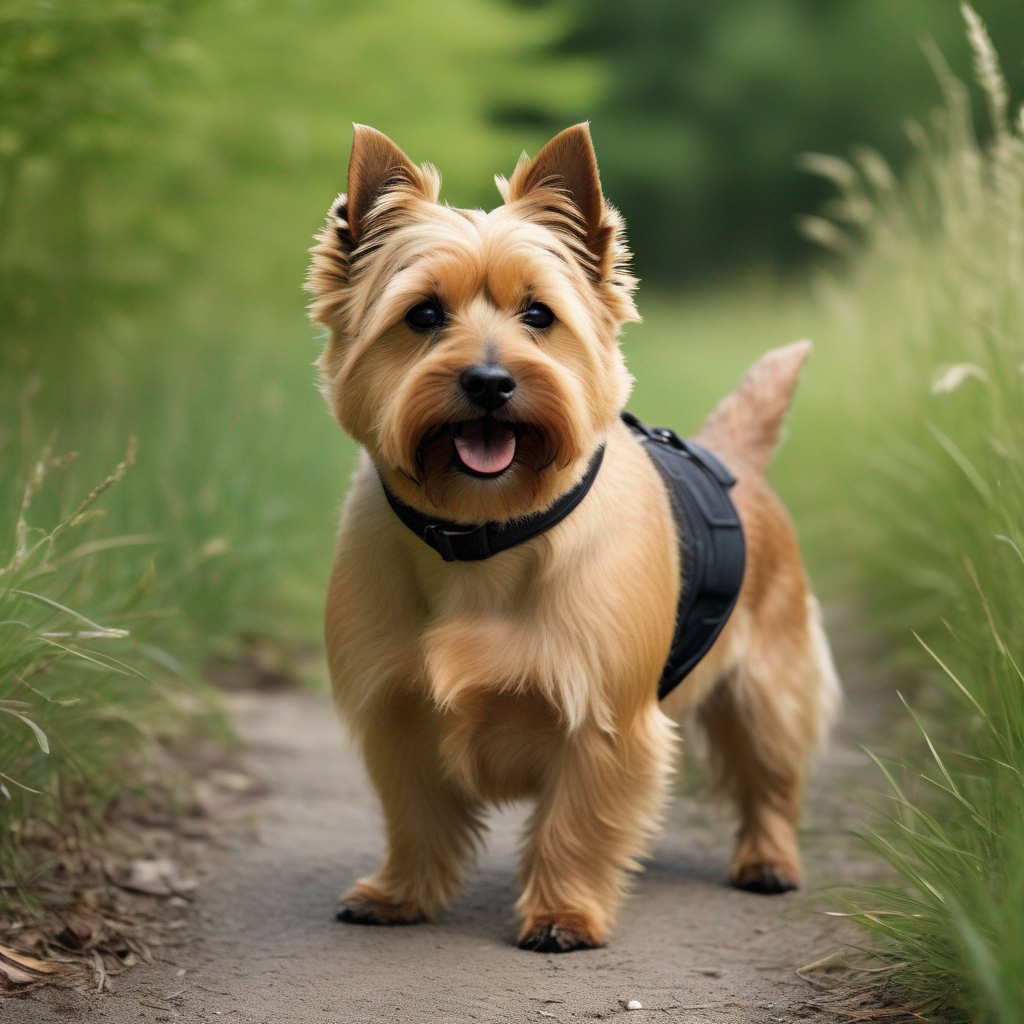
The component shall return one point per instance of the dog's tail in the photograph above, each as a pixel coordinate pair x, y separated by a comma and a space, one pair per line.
747, 423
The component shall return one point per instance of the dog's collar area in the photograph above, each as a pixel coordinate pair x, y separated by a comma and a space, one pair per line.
712, 547
455, 542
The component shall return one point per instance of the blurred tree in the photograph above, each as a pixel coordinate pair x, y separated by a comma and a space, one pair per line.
293, 75
710, 101
189, 149
87, 149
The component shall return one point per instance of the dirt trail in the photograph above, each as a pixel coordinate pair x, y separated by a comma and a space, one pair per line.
263, 946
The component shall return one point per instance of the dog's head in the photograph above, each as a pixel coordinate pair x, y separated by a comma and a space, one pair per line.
474, 355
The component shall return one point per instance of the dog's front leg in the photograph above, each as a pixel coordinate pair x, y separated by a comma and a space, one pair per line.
432, 823
600, 808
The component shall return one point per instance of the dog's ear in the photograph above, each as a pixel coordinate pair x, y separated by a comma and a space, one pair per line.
376, 165
382, 181
561, 188
568, 163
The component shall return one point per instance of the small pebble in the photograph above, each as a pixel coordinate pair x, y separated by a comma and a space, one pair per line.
634, 1004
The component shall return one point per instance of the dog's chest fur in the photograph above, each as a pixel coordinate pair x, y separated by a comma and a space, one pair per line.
520, 653
501, 746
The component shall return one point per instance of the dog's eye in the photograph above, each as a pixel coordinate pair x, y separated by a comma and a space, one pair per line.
538, 315
427, 316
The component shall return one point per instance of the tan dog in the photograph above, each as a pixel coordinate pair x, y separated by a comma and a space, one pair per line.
474, 357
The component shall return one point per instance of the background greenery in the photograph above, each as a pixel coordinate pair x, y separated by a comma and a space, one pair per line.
708, 101
164, 165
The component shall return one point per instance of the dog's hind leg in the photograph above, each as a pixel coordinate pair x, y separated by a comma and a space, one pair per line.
763, 720
760, 764
601, 805
432, 823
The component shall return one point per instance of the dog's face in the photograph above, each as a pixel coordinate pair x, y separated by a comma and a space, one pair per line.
474, 355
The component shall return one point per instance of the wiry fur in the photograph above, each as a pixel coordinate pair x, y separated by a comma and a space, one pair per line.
532, 675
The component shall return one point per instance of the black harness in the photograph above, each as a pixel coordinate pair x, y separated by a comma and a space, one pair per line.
712, 551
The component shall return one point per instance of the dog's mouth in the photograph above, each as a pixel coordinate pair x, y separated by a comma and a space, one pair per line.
485, 447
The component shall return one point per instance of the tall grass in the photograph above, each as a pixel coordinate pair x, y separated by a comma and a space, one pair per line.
933, 313
83, 693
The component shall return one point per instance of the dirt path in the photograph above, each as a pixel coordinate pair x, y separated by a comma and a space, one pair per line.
263, 945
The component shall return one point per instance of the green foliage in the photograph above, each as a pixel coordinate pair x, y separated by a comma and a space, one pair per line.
935, 313
289, 77
168, 163
88, 152
709, 101
80, 694
155, 149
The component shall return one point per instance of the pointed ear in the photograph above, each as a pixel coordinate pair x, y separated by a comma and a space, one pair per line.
376, 165
569, 162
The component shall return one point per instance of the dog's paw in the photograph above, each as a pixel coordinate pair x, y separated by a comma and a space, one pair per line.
765, 879
374, 915
363, 905
556, 938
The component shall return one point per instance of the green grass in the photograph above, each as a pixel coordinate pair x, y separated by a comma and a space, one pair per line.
84, 694
935, 306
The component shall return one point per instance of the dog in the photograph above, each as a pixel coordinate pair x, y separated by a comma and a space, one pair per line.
474, 357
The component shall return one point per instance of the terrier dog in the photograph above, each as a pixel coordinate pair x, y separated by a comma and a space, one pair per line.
474, 357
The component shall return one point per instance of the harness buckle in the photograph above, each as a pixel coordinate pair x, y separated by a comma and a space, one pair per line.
438, 539
669, 437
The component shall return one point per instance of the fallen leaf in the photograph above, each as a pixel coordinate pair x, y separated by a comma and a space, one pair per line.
27, 961
156, 878
15, 975
19, 969
237, 782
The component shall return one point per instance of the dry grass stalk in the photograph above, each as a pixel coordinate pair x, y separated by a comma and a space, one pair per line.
988, 70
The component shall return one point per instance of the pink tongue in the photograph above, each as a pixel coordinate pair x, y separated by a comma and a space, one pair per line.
486, 447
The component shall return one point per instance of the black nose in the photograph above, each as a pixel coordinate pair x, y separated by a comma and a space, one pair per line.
487, 385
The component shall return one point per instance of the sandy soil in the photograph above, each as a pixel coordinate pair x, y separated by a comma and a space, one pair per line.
263, 945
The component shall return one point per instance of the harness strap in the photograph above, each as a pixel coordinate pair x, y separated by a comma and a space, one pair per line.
712, 548
456, 542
